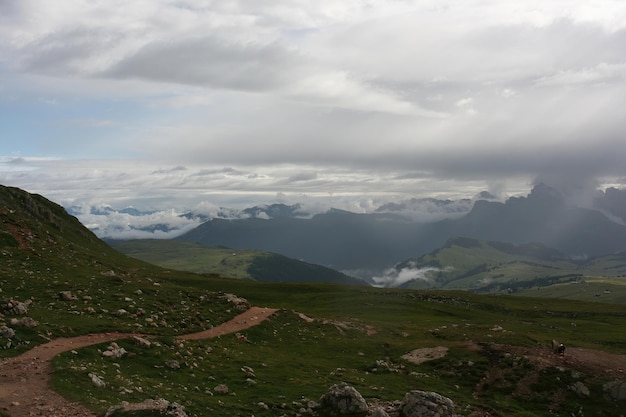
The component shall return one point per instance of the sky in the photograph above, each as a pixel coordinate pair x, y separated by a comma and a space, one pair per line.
164, 104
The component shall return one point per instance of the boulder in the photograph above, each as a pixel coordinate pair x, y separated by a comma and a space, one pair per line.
6, 332
342, 399
426, 404
615, 390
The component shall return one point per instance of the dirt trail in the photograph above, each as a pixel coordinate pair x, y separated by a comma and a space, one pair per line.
25, 380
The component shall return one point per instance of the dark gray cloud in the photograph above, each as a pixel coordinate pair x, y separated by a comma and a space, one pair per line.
209, 61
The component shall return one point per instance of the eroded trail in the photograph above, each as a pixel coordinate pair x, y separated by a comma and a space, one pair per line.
25, 380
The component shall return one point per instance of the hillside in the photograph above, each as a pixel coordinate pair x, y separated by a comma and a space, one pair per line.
488, 356
253, 265
486, 266
56, 272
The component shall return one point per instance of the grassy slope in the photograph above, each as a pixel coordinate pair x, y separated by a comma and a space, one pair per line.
242, 264
492, 266
189, 256
45, 252
296, 361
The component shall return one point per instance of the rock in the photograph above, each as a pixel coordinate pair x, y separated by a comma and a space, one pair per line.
378, 412
164, 406
114, 351
141, 342
121, 312
67, 296
343, 399
172, 364
6, 332
248, 371
24, 322
239, 302
426, 404
580, 389
615, 390
97, 381
17, 308
221, 389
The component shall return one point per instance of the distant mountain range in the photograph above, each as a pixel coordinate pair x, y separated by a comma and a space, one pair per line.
366, 244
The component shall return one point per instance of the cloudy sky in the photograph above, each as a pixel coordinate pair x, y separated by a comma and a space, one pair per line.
165, 103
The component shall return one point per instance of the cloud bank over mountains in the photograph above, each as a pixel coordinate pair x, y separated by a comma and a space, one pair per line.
349, 104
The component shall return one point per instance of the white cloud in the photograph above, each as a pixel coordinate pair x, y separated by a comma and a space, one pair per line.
349, 98
395, 278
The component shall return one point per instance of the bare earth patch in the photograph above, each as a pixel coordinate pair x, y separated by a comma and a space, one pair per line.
418, 356
25, 380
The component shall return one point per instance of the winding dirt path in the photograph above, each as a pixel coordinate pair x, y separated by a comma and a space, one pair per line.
25, 380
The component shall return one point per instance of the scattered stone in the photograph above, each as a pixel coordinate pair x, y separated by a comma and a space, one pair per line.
426, 404
97, 381
121, 312
343, 399
142, 342
172, 364
164, 406
67, 296
221, 389
248, 371
579, 389
239, 302
23, 322
114, 351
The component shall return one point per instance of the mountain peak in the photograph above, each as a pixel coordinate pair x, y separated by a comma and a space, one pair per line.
546, 194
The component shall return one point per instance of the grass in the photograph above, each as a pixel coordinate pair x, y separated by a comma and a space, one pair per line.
188, 256
295, 361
